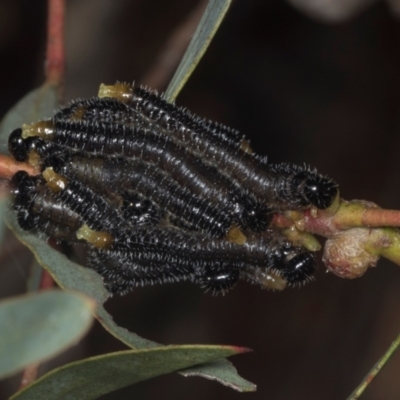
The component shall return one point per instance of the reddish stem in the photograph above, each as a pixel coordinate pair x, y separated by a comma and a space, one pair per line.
327, 225
46, 281
54, 70
29, 375
8, 167
55, 57
375, 218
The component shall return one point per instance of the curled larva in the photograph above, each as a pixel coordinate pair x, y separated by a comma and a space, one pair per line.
172, 118
38, 211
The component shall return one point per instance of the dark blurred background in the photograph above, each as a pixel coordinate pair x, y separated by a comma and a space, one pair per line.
322, 91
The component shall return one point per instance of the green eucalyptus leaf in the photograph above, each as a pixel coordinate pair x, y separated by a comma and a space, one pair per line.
71, 276
38, 326
3, 211
96, 376
208, 25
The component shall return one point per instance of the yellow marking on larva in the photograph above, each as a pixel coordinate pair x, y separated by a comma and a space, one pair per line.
120, 91
304, 239
34, 159
272, 280
78, 113
297, 217
245, 146
235, 235
42, 129
55, 182
314, 212
100, 240
300, 224
268, 279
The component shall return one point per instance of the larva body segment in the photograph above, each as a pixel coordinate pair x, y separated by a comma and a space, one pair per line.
38, 209
174, 119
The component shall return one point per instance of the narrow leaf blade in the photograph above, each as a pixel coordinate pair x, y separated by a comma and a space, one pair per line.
208, 26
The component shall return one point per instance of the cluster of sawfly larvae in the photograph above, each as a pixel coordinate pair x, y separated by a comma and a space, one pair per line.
160, 195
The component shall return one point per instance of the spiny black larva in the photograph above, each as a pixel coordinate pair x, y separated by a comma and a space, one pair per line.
37, 209
173, 118
145, 107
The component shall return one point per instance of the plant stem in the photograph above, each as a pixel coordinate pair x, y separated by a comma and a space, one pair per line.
55, 55
29, 375
375, 370
54, 71
8, 167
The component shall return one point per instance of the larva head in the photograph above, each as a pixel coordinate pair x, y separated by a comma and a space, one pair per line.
139, 211
256, 216
42, 153
317, 190
17, 145
23, 187
31, 150
299, 268
219, 278
26, 220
